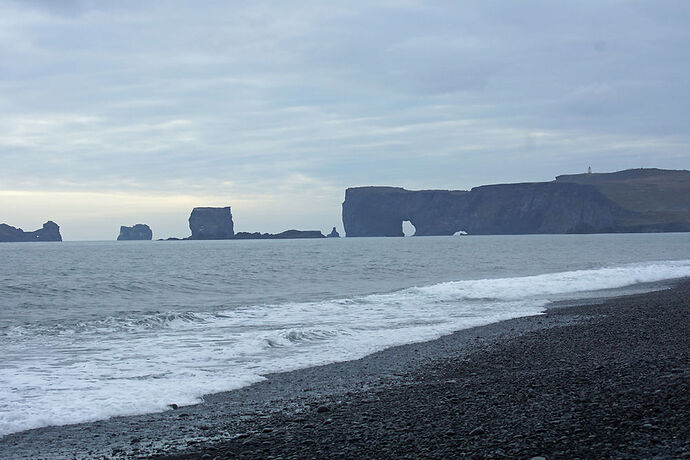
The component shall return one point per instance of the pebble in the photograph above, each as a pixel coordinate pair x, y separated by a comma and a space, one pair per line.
477, 431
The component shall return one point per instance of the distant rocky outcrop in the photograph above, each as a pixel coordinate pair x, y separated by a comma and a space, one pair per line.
287, 234
640, 200
136, 232
290, 234
216, 224
334, 234
49, 232
211, 224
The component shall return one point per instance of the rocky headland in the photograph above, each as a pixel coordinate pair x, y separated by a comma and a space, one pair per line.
49, 232
636, 200
136, 232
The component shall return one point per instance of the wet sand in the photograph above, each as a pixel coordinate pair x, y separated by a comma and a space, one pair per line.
609, 380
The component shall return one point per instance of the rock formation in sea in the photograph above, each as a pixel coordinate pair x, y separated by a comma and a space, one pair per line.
136, 232
49, 232
637, 200
216, 224
334, 234
290, 234
287, 234
211, 224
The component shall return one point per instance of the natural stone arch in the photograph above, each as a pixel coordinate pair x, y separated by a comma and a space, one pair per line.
408, 228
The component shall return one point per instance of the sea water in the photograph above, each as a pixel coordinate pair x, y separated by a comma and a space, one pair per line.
97, 329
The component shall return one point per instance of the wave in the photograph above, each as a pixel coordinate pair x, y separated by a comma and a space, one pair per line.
483, 291
138, 363
123, 323
559, 283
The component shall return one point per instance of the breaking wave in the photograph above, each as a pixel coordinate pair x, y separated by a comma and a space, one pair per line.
137, 363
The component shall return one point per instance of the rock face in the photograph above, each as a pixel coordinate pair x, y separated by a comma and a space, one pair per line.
136, 232
49, 232
649, 200
334, 234
211, 224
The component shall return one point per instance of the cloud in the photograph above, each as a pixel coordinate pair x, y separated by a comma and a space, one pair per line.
188, 97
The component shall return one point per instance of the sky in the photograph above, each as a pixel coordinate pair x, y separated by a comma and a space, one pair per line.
116, 113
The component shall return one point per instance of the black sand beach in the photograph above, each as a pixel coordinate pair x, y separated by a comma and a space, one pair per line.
609, 380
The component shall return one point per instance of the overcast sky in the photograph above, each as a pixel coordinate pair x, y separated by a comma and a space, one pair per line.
122, 112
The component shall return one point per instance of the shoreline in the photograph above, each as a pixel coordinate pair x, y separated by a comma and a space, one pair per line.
318, 404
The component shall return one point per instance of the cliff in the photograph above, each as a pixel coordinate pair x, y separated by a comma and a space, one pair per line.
211, 224
136, 232
49, 232
643, 200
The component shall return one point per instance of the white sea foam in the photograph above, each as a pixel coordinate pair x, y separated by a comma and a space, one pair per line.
560, 283
54, 374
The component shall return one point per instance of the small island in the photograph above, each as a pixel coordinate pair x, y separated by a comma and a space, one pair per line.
208, 223
49, 232
286, 235
135, 233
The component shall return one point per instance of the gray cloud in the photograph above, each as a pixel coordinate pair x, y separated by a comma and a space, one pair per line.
233, 99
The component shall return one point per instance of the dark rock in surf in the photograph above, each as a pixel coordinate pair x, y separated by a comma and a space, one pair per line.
136, 232
334, 234
49, 232
208, 223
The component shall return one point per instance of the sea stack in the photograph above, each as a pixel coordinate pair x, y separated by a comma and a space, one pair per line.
49, 232
334, 234
211, 224
136, 232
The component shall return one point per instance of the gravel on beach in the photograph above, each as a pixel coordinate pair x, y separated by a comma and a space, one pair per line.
609, 380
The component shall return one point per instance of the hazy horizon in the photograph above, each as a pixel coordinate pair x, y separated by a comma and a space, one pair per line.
122, 113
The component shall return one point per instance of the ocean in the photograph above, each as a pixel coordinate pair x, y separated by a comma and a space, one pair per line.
91, 330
